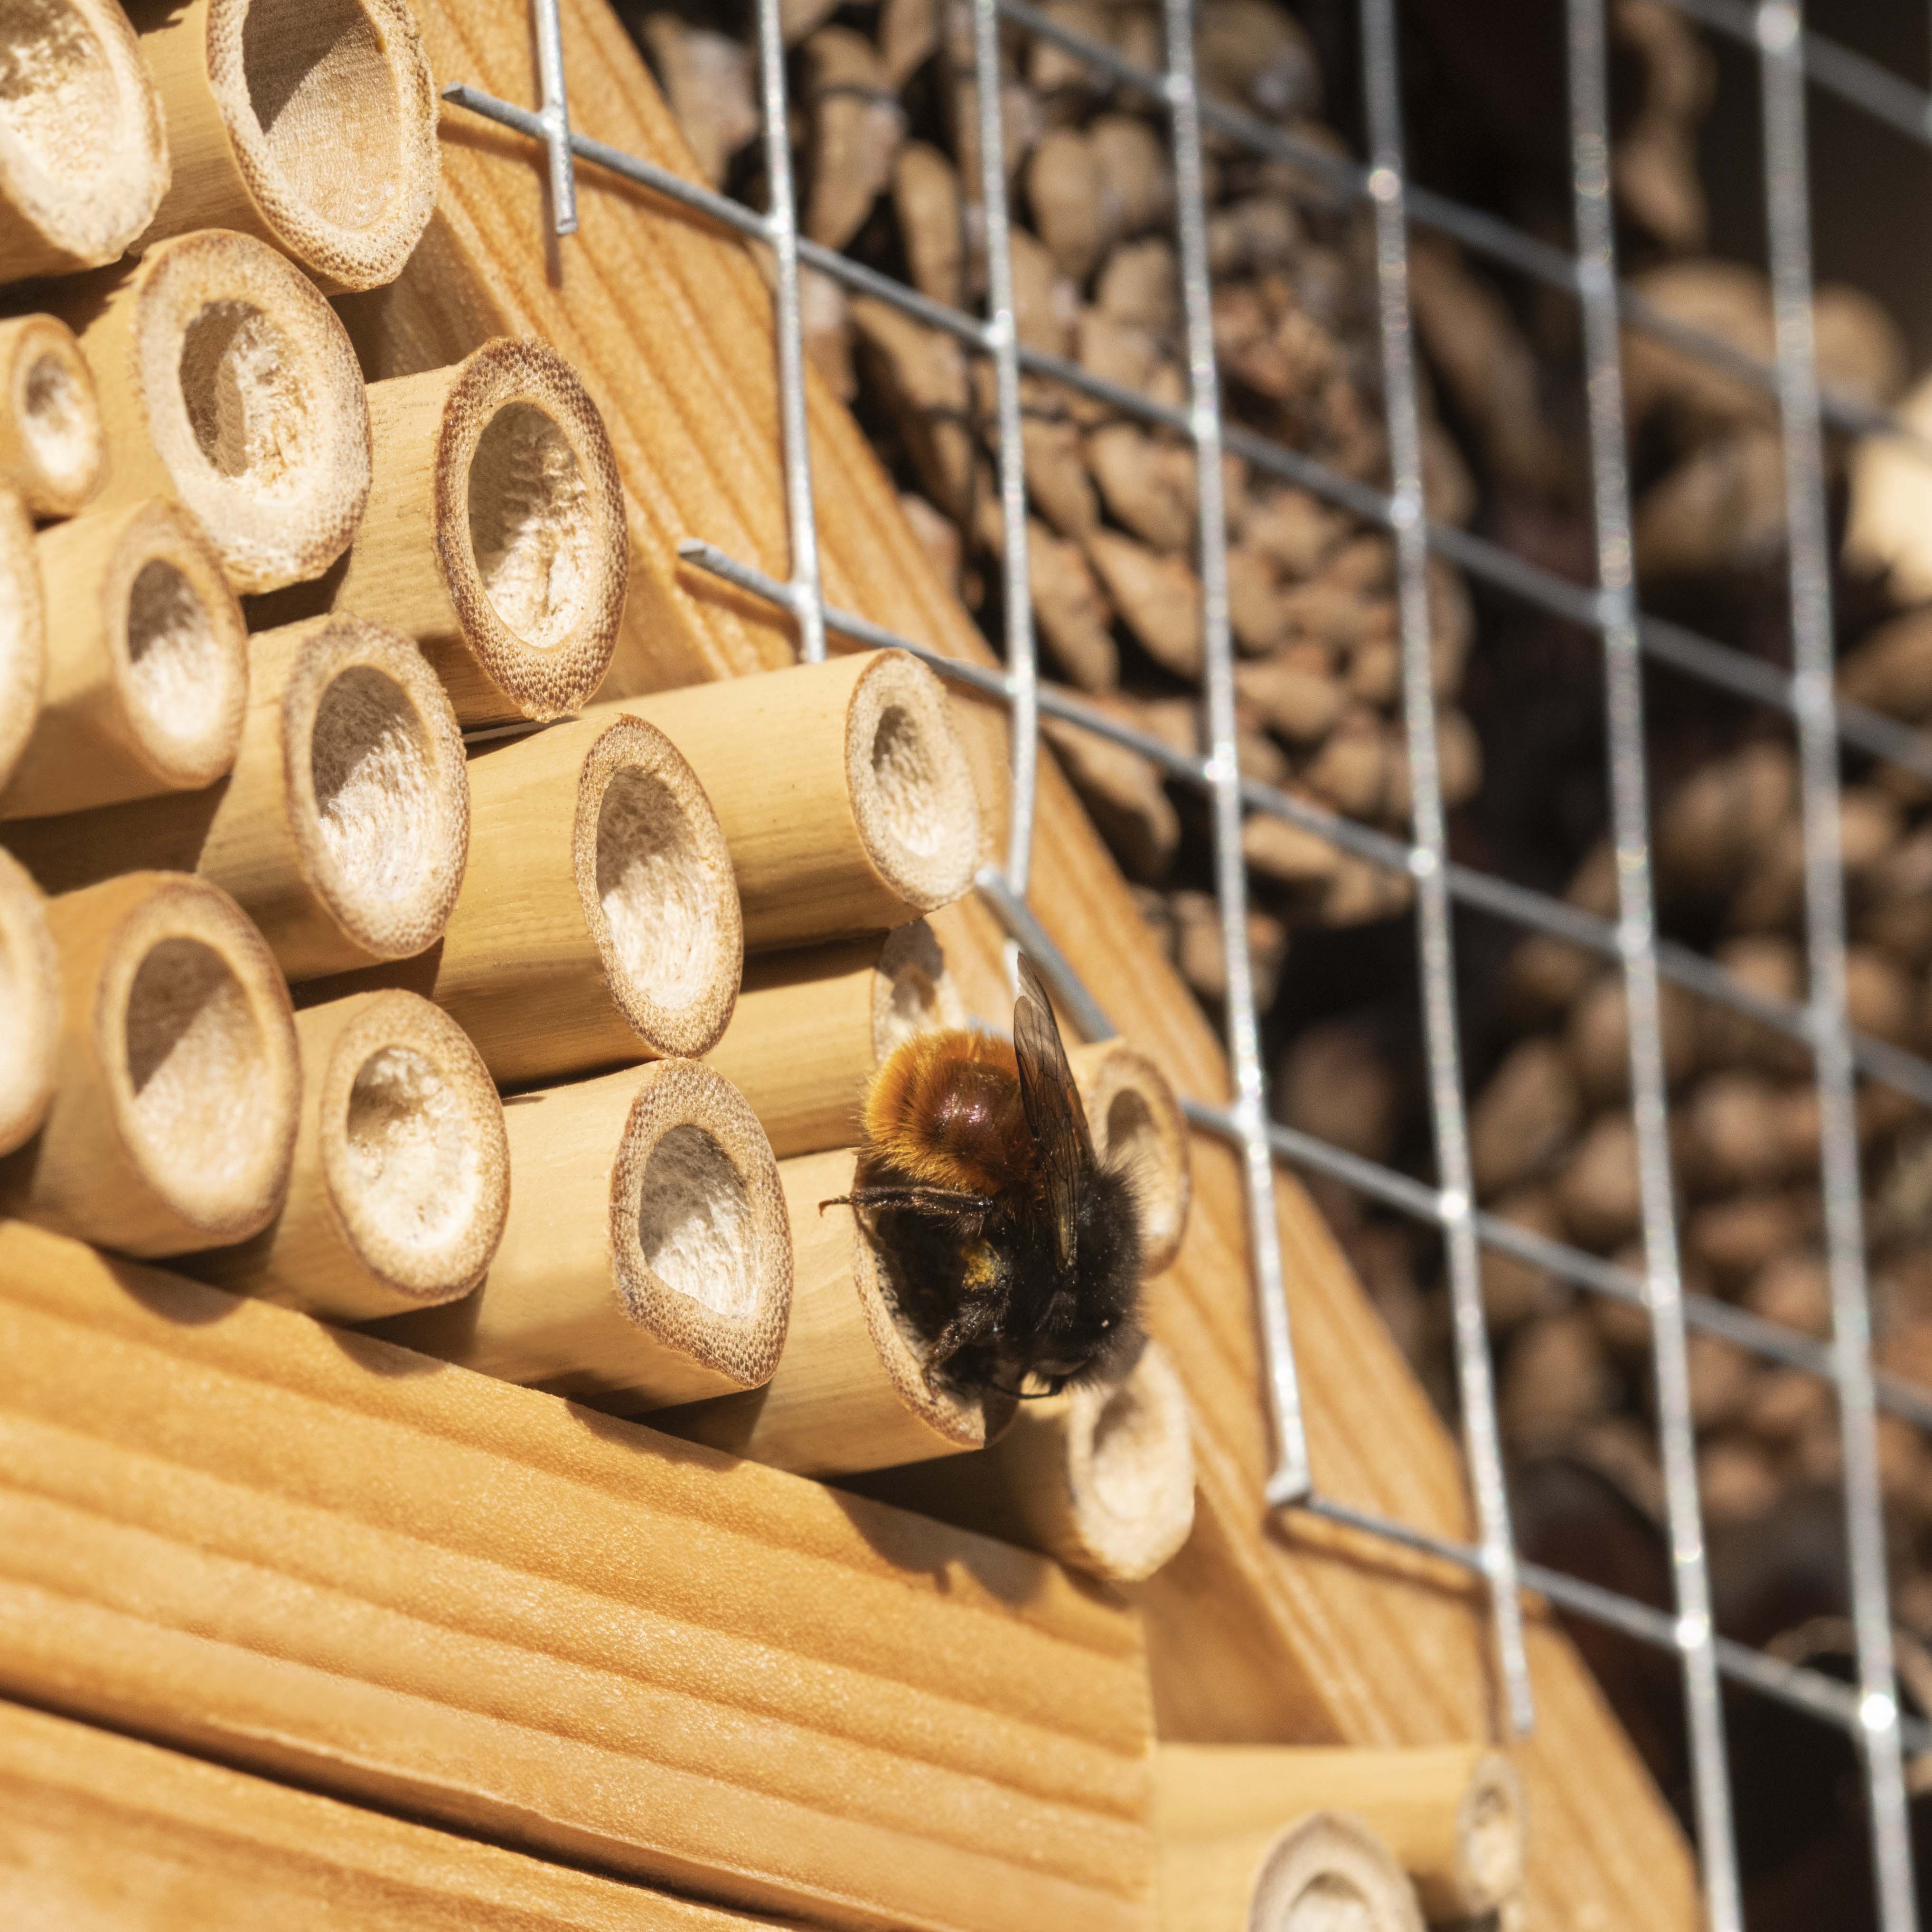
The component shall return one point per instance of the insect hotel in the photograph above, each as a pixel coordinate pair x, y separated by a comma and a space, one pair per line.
715, 725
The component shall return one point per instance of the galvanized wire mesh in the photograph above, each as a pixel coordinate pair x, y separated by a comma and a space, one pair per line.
1789, 58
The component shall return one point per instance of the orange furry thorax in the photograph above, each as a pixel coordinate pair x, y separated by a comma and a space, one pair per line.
945, 1111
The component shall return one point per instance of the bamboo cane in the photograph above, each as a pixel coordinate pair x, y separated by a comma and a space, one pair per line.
1138, 1125
597, 923
647, 1260
225, 379
83, 156
1451, 1815
495, 531
312, 128
811, 1027
30, 1005
22, 634
343, 828
401, 1179
843, 789
1327, 1871
849, 1392
147, 669
173, 1114
50, 444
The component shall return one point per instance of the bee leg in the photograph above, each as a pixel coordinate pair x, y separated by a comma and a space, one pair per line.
933, 1200
973, 1323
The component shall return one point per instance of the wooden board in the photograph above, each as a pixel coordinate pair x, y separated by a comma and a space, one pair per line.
229, 1527
1265, 1628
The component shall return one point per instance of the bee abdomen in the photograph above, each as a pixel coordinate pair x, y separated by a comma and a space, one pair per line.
945, 1111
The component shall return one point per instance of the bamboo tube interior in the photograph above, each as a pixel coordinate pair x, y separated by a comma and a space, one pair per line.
328, 112
1328, 1872
30, 1006
83, 158
50, 442
1138, 1127
22, 634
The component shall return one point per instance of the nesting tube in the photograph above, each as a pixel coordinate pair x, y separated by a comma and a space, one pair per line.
342, 829
173, 1116
1328, 1870
811, 1027
309, 124
495, 532
225, 380
1451, 1815
30, 1005
647, 1259
1101, 1477
22, 634
850, 1394
597, 924
1138, 1125
83, 157
147, 663
401, 1176
50, 443
843, 790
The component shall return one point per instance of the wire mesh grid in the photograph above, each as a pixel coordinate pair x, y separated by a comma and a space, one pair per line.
1789, 58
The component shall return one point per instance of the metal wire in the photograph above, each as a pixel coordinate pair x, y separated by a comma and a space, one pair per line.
554, 114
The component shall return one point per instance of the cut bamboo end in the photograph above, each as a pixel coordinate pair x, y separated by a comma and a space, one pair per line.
647, 1259
598, 923
1138, 1127
495, 534
843, 788
147, 671
173, 1117
401, 1179
1451, 1816
811, 1028
51, 447
30, 1006
343, 829
309, 123
226, 380
1329, 1872
83, 157
851, 1393
22, 634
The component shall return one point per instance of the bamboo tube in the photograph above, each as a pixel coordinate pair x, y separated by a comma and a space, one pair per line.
495, 533
597, 923
173, 1116
107, 1834
51, 449
1327, 1874
1102, 1477
30, 1005
310, 126
83, 156
342, 830
1137, 1125
646, 1259
147, 663
23, 634
226, 380
401, 1179
316, 1557
843, 789
849, 1392
1451, 1815
811, 1027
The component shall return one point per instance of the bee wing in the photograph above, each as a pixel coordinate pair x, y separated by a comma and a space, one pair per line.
1053, 1108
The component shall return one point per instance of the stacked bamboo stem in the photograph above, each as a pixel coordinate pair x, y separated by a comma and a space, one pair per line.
50, 442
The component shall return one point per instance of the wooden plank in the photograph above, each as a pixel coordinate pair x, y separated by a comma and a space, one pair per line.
1264, 1629
101, 1833
227, 1526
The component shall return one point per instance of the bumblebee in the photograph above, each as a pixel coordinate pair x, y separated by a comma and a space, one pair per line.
1013, 1251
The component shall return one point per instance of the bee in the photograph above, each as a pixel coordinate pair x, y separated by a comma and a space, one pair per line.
1013, 1251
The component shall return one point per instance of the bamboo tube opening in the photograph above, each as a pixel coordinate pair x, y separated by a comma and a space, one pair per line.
30, 1003
1489, 1835
50, 441
22, 634
83, 158
693, 1218
1138, 1129
912, 992
1130, 1470
1330, 1873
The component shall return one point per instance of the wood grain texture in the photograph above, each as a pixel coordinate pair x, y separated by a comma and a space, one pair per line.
1261, 1629
229, 1528
101, 1833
